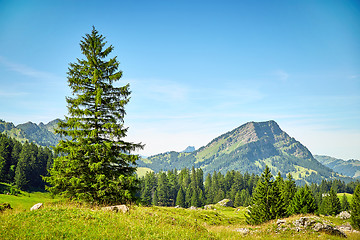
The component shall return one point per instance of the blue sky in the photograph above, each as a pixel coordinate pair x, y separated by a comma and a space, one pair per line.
196, 69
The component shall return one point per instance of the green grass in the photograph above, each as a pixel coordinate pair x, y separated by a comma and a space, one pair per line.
24, 201
348, 195
74, 221
141, 171
59, 219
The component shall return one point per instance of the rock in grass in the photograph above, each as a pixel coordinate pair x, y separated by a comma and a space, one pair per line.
329, 230
280, 221
116, 208
226, 203
36, 206
243, 231
208, 207
344, 215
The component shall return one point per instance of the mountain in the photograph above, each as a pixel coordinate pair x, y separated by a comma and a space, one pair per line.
42, 134
350, 168
189, 149
249, 148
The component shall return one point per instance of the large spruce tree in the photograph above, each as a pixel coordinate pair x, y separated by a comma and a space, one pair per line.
95, 163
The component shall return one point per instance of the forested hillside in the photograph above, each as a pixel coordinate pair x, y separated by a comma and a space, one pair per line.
23, 164
350, 168
41, 134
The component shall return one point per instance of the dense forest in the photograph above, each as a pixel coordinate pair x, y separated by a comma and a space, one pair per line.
23, 164
187, 188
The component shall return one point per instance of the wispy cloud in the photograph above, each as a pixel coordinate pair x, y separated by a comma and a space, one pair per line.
160, 90
27, 71
354, 76
281, 75
12, 94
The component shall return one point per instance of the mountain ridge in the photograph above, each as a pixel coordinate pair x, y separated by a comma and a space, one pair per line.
41, 134
249, 148
350, 168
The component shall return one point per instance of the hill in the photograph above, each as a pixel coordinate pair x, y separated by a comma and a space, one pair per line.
42, 134
350, 168
249, 148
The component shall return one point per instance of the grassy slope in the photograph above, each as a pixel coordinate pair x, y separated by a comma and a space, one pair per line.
24, 201
70, 221
141, 171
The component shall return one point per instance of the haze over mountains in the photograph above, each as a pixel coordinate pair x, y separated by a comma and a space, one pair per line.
349, 168
247, 148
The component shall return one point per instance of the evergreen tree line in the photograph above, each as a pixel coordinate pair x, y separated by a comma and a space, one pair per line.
23, 164
268, 197
276, 198
187, 188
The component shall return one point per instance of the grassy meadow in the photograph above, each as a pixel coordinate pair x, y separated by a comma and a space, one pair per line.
59, 219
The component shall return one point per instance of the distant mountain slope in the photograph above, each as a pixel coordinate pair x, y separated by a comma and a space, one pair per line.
249, 148
350, 168
189, 149
42, 134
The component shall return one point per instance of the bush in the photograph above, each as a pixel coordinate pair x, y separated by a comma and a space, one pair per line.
4, 206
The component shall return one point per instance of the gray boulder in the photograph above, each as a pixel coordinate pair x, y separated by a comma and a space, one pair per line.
226, 203
36, 206
279, 222
344, 215
116, 208
329, 230
243, 231
303, 222
208, 207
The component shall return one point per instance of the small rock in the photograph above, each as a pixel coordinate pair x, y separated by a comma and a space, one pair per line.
116, 208
279, 222
243, 231
344, 215
208, 207
329, 230
345, 229
177, 206
36, 206
192, 208
226, 203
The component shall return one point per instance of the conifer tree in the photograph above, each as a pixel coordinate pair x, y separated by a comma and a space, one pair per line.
278, 209
195, 197
180, 198
95, 163
163, 190
23, 167
330, 204
302, 202
154, 198
345, 205
355, 209
288, 191
259, 210
237, 201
